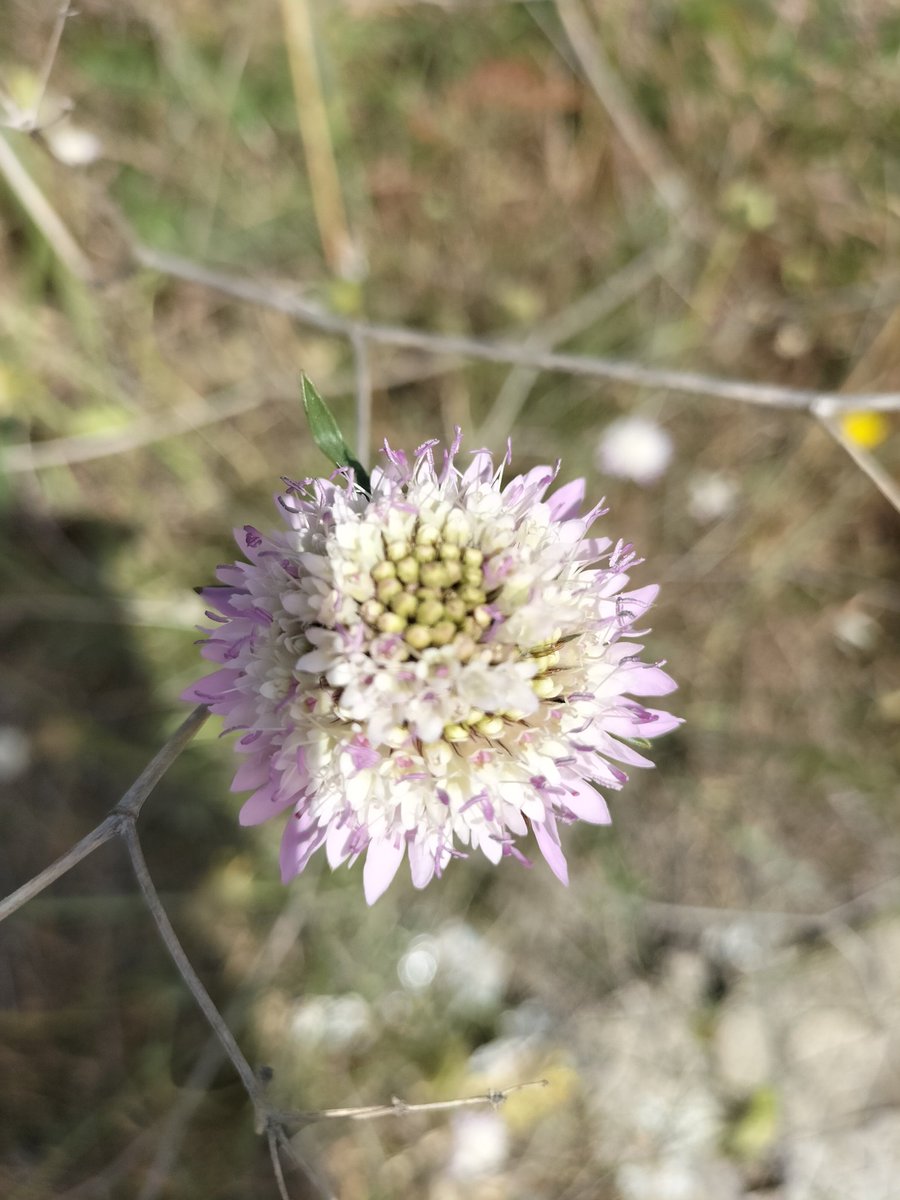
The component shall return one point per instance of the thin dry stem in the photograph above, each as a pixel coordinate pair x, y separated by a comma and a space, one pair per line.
189, 975
587, 310
28, 120
400, 1108
133, 801
128, 807
282, 299
363, 399
92, 841
65, 11
648, 152
280, 942
42, 213
272, 1139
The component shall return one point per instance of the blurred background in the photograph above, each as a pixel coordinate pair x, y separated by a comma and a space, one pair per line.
691, 184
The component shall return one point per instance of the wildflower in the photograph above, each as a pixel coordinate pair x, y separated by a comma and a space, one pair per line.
634, 448
866, 429
430, 667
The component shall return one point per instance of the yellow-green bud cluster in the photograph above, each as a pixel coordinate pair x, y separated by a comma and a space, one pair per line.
429, 591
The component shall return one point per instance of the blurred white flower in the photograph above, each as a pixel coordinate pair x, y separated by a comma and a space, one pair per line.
469, 972
480, 1144
503, 1058
634, 448
332, 1022
73, 146
855, 628
15, 753
711, 496
418, 966
472, 971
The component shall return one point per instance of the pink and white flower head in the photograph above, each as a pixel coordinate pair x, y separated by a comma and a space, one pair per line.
431, 669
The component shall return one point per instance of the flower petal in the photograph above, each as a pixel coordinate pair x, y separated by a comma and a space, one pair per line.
566, 500
422, 864
267, 802
302, 838
382, 862
586, 802
549, 846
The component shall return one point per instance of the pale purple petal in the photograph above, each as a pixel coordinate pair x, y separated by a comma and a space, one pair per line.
549, 846
643, 679
382, 862
250, 774
336, 845
301, 839
422, 864
566, 500
641, 723
267, 802
585, 802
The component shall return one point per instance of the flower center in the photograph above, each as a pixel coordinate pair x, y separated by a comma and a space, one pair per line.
429, 591
429, 611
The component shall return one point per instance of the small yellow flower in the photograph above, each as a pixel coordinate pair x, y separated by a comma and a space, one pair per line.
866, 429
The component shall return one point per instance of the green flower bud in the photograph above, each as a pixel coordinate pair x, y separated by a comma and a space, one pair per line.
388, 588
418, 636
490, 727
389, 622
429, 612
383, 570
404, 605
408, 570
443, 633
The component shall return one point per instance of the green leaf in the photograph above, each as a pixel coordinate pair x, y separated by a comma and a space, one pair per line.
327, 435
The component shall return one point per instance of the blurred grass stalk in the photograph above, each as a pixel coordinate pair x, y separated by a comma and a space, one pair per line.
338, 245
42, 213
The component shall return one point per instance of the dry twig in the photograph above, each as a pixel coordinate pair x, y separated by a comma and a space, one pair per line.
287, 300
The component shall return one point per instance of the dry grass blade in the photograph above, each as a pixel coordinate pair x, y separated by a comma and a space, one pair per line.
650, 155
42, 213
312, 117
60, 452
